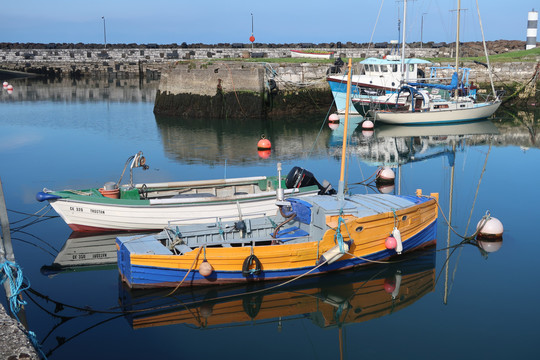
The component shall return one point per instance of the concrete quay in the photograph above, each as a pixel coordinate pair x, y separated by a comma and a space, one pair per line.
203, 82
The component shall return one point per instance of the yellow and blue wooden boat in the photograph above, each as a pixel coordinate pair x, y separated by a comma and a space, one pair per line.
312, 235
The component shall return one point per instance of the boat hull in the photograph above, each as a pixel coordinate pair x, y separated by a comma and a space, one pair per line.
82, 214
304, 54
339, 92
142, 276
437, 117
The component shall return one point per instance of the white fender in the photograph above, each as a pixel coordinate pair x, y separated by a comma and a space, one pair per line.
334, 253
397, 235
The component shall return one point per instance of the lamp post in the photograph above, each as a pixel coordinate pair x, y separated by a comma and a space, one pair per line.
252, 38
104, 32
422, 31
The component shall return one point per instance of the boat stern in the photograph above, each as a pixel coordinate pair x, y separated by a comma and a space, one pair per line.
124, 259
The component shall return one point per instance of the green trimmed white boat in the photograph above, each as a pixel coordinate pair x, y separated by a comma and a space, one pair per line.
149, 206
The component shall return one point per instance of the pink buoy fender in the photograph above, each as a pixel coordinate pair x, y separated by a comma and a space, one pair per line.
390, 242
205, 269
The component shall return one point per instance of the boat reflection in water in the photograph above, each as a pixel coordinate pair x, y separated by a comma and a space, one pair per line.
330, 300
394, 145
84, 252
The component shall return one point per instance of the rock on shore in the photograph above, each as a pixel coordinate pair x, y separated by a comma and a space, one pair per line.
14, 344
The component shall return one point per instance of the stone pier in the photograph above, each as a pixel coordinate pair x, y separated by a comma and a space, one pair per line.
198, 81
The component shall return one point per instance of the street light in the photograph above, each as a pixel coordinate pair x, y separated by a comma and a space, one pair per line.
252, 38
422, 31
104, 32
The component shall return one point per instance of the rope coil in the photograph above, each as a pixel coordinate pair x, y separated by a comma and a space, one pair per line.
16, 284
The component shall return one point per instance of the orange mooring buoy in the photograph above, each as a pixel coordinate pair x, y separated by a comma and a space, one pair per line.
264, 143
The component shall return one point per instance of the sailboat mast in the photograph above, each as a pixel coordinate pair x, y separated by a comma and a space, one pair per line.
486, 51
341, 184
457, 34
403, 41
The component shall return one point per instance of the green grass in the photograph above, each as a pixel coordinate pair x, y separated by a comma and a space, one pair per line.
531, 55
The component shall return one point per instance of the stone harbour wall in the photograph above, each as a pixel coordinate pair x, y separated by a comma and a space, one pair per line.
200, 82
150, 63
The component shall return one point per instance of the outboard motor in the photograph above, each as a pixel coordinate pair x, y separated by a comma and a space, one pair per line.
299, 177
336, 68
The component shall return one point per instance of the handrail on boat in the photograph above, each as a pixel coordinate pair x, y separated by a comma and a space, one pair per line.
202, 182
214, 198
190, 221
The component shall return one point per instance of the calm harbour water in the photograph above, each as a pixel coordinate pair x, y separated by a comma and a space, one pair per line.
455, 304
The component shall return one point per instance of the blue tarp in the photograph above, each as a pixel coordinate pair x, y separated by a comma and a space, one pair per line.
453, 84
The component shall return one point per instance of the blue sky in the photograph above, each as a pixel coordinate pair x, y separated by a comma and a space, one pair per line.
276, 21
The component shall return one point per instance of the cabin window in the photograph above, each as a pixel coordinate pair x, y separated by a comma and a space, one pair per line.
359, 229
404, 218
376, 68
370, 67
362, 69
394, 68
411, 68
384, 68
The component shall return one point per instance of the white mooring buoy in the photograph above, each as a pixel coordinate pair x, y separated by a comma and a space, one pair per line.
333, 118
490, 227
367, 125
385, 174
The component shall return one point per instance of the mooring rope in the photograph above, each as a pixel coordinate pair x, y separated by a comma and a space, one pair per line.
17, 284
187, 273
483, 221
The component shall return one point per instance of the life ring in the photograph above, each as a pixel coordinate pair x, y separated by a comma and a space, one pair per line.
250, 260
